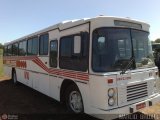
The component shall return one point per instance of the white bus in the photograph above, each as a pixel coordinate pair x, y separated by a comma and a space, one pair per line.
102, 65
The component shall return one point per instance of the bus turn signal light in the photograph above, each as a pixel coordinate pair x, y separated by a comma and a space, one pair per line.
110, 81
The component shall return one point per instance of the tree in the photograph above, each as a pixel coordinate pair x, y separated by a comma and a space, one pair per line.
1, 46
152, 42
157, 40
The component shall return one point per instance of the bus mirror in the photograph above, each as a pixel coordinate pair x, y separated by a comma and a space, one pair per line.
77, 44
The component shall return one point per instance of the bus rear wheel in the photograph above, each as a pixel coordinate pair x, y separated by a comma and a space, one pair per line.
74, 100
14, 77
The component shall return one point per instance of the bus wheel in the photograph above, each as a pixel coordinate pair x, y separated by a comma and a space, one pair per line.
14, 77
74, 100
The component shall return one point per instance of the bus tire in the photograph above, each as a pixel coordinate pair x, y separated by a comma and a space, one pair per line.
74, 100
14, 77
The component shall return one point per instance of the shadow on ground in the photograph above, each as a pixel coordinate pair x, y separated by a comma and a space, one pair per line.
29, 104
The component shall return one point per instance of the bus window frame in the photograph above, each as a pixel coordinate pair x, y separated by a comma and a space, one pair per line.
57, 53
31, 38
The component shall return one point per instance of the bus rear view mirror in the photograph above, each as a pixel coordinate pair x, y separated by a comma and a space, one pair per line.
77, 44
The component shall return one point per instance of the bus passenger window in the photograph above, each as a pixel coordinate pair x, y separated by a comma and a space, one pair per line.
32, 46
53, 53
22, 48
15, 49
9, 49
71, 59
43, 44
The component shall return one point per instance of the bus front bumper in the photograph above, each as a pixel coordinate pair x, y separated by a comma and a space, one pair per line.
129, 109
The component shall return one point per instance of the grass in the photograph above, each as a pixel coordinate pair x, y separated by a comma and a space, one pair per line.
1, 63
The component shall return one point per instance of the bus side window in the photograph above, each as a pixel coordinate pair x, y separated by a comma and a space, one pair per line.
53, 53
32, 46
43, 44
22, 48
15, 49
9, 49
73, 52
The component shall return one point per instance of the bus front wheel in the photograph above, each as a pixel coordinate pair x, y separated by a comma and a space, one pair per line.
74, 100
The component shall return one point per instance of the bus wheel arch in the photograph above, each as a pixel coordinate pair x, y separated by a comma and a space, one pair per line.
68, 88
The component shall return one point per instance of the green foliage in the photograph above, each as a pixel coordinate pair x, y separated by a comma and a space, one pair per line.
157, 40
152, 42
1, 46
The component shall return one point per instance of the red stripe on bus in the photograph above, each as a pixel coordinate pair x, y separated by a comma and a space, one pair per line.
19, 58
65, 73
82, 74
42, 64
39, 65
75, 72
57, 73
83, 78
69, 74
53, 70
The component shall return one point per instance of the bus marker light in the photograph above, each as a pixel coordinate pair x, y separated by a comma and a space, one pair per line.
110, 81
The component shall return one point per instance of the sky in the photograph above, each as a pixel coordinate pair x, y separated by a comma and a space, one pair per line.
22, 17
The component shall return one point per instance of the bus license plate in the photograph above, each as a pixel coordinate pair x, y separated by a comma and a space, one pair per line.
140, 106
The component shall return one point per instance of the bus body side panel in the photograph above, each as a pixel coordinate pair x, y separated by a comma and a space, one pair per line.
8, 70
54, 85
37, 74
35, 81
85, 92
43, 84
21, 76
56, 80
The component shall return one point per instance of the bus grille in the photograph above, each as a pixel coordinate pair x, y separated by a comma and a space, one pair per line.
136, 91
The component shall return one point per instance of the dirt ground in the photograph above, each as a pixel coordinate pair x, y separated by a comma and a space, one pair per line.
23, 103
27, 104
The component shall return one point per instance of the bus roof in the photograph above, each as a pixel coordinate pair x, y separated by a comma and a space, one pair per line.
71, 23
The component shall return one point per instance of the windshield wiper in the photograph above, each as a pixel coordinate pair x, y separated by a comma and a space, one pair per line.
128, 65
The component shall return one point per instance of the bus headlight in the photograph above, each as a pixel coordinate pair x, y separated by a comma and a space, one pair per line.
111, 101
111, 92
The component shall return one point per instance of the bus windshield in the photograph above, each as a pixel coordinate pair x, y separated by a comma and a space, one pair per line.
113, 48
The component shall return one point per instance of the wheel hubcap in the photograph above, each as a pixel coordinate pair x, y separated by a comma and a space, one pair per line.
75, 101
